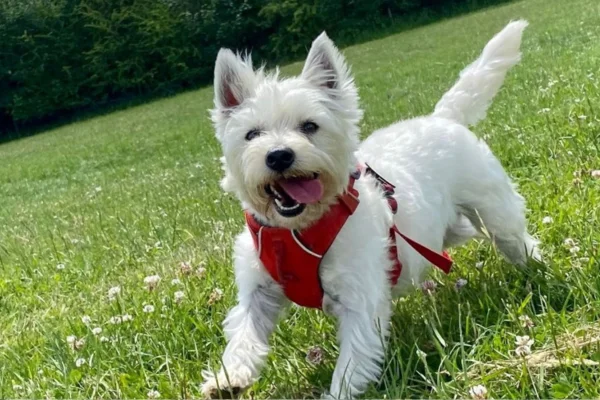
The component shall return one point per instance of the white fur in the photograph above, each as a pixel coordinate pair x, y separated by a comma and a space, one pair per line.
450, 187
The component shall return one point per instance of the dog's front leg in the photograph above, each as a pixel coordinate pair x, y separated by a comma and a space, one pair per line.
362, 335
248, 325
247, 329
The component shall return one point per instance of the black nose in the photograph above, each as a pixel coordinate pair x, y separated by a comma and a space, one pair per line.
281, 159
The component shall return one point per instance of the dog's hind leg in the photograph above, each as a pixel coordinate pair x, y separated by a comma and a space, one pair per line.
460, 232
496, 209
505, 226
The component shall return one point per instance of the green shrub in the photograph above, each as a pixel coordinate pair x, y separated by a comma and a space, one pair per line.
57, 56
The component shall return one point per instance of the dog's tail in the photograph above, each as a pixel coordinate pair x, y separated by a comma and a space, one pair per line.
468, 100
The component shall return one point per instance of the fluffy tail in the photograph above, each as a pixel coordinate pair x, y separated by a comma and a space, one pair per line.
468, 100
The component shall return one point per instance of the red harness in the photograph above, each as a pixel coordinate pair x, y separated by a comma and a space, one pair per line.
293, 258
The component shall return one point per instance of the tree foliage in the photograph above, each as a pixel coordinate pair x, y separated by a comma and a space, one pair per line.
63, 55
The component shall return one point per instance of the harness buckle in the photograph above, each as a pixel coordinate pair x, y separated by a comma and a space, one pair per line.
350, 199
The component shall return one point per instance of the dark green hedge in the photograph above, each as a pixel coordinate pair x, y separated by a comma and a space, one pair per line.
58, 56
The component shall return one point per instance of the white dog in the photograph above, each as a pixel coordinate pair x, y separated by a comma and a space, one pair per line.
291, 151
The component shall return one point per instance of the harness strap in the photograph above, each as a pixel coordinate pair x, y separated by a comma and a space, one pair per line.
293, 258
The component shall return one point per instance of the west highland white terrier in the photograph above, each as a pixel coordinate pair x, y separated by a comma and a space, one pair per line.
323, 229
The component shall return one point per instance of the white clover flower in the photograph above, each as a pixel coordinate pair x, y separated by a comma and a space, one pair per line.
80, 362
179, 295
153, 394
175, 282
96, 331
314, 355
526, 322
479, 264
148, 308
569, 242
113, 292
595, 174
151, 282
74, 343
547, 220
574, 249
60, 266
185, 268
523, 345
104, 339
428, 287
523, 341
478, 392
200, 272
78, 345
216, 295
17, 388
86, 319
115, 320
126, 318
460, 283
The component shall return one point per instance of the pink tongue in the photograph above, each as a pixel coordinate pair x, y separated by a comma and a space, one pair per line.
305, 191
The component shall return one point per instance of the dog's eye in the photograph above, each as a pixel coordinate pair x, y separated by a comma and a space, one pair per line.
252, 134
308, 127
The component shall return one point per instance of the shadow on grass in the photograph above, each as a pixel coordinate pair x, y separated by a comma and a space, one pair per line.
427, 332
11, 130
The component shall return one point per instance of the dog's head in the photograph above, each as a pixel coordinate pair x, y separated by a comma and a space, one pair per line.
288, 144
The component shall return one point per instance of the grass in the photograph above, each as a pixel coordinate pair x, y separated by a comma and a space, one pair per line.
111, 200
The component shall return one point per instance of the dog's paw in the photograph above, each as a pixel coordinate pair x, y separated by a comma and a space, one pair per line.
223, 386
328, 396
211, 391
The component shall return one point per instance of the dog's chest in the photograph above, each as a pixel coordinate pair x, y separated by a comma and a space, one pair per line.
293, 258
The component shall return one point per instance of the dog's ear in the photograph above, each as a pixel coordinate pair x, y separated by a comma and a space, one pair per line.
325, 66
234, 80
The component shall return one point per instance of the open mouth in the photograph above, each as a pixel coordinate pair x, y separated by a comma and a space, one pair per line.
291, 195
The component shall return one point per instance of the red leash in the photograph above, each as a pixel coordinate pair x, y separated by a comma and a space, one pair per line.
442, 261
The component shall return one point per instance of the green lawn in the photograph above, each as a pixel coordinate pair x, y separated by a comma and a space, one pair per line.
111, 200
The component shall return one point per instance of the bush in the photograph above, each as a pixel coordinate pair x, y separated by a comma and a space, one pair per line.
63, 55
